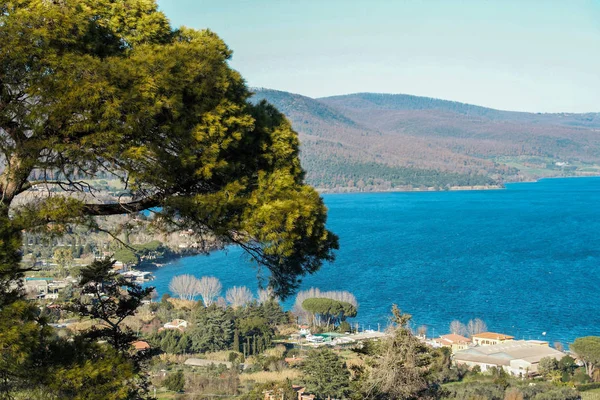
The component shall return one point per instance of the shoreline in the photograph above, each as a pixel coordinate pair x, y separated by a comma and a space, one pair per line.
415, 190
432, 189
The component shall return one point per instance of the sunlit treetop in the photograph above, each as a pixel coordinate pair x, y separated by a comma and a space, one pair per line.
96, 85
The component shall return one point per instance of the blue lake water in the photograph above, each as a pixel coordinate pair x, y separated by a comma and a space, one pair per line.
525, 259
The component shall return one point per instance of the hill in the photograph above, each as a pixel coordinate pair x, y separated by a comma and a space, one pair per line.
370, 141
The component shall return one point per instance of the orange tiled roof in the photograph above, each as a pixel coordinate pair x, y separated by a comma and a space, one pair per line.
140, 345
493, 335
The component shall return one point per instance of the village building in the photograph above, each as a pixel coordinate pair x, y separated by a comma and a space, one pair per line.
453, 341
179, 324
516, 357
490, 338
43, 288
138, 276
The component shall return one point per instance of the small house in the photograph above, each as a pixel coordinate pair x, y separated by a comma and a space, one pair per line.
490, 338
453, 341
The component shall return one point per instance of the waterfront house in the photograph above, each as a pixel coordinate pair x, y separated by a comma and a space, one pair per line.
452, 341
490, 338
516, 357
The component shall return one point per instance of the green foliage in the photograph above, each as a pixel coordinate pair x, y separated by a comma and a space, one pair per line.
63, 257
212, 329
580, 376
154, 245
548, 366
81, 367
271, 310
326, 375
116, 87
20, 336
328, 311
175, 381
588, 386
171, 341
567, 364
339, 172
84, 370
475, 390
344, 327
95, 85
511, 388
402, 366
281, 390
587, 350
558, 394
126, 256
112, 298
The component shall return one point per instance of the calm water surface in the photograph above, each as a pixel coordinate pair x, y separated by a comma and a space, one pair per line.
525, 259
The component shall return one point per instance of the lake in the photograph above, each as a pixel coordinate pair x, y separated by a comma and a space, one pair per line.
525, 259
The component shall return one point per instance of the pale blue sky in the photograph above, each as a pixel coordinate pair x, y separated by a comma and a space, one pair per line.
525, 55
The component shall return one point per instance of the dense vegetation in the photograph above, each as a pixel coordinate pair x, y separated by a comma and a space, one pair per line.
90, 87
400, 141
247, 330
340, 173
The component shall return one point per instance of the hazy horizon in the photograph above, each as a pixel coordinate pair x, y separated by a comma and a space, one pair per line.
430, 97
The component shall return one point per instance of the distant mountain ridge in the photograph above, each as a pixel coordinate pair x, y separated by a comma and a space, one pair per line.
410, 102
371, 141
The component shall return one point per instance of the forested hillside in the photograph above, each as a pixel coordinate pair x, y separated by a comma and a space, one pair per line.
369, 141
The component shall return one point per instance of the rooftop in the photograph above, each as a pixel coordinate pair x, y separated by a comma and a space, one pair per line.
140, 345
452, 338
504, 353
493, 335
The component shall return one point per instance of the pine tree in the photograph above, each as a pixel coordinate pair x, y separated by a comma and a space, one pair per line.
326, 375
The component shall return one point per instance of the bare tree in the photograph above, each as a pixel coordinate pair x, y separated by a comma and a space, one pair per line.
422, 331
184, 286
221, 303
559, 346
265, 295
238, 296
458, 328
300, 312
476, 326
342, 295
209, 288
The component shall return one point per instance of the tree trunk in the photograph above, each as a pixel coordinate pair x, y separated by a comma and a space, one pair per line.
14, 177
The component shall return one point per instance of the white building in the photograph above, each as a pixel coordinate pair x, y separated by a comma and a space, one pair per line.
180, 324
516, 357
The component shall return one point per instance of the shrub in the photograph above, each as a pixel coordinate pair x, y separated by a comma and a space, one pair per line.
588, 386
175, 381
